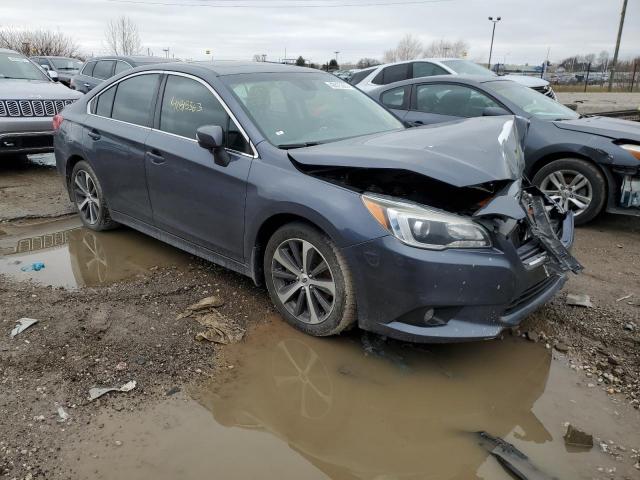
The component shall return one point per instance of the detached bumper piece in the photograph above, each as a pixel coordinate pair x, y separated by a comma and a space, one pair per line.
542, 229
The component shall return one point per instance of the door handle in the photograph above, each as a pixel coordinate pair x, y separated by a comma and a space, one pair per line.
155, 157
418, 122
94, 134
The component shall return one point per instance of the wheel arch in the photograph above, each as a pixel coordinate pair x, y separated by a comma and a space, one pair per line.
71, 162
267, 228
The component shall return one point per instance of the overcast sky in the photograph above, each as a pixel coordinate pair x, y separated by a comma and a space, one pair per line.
528, 27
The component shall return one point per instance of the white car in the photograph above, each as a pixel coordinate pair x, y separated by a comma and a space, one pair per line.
369, 78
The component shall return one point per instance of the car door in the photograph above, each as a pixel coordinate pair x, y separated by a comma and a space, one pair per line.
102, 71
115, 136
192, 197
81, 79
445, 102
397, 100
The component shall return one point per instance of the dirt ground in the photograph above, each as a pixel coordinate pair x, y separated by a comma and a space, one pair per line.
128, 329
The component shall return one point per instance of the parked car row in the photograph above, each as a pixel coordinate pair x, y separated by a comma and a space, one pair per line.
586, 164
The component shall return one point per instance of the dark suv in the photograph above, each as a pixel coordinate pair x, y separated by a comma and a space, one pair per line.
65, 67
96, 70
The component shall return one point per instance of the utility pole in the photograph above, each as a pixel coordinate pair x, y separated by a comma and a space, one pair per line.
615, 53
336, 52
493, 33
166, 52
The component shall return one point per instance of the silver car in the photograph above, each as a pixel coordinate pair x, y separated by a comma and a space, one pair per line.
369, 78
29, 100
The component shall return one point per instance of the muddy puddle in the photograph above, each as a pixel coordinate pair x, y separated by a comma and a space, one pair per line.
75, 257
295, 407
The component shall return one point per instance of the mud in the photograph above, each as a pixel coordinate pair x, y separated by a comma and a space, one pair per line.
281, 404
299, 407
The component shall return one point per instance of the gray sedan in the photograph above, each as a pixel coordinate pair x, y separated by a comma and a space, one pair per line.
586, 164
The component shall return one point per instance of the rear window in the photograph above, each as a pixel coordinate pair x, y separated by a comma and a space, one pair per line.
88, 69
396, 73
121, 67
357, 77
134, 99
103, 69
394, 98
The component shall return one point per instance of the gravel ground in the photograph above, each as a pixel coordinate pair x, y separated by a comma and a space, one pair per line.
594, 102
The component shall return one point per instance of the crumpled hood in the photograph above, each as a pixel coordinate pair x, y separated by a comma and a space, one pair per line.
527, 81
615, 128
14, 89
462, 153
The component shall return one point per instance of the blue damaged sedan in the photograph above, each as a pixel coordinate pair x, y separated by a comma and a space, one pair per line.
308, 186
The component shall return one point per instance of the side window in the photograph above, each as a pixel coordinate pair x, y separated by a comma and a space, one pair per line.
357, 77
104, 102
88, 69
453, 100
396, 73
121, 67
134, 99
427, 69
394, 98
103, 69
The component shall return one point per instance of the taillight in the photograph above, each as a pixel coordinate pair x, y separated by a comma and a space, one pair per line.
57, 121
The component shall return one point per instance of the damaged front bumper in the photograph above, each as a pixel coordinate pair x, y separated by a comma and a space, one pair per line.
464, 294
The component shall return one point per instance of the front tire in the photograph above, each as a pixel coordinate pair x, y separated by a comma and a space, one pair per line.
309, 281
576, 184
89, 198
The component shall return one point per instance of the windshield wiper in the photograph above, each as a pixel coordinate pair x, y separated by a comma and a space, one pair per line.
288, 146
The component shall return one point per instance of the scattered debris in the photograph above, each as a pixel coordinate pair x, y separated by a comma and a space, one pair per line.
121, 366
625, 297
22, 325
34, 267
207, 303
533, 336
97, 392
577, 438
512, 459
62, 415
561, 347
630, 327
579, 300
172, 391
220, 329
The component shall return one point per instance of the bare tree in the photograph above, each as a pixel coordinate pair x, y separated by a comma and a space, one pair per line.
390, 56
38, 42
367, 62
408, 48
257, 57
122, 36
446, 48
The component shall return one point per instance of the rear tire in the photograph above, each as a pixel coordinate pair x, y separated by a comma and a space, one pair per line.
309, 281
89, 198
559, 180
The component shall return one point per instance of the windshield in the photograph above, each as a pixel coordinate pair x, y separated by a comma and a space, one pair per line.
465, 67
297, 109
14, 65
534, 103
66, 63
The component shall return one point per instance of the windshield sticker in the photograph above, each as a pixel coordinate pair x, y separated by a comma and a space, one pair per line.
183, 105
18, 59
339, 85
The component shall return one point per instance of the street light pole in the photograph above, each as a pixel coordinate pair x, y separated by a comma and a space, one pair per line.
337, 57
493, 33
615, 53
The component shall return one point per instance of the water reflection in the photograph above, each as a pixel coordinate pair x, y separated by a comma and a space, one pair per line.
77, 257
377, 410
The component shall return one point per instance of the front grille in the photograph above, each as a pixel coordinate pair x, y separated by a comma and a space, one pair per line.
529, 294
32, 108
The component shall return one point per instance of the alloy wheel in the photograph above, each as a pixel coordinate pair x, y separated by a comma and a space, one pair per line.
303, 281
86, 195
570, 189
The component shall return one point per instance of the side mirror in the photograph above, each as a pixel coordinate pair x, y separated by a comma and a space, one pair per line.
494, 112
211, 137
53, 75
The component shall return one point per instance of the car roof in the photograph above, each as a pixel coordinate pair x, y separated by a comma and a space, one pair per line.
136, 59
465, 79
230, 67
6, 50
54, 56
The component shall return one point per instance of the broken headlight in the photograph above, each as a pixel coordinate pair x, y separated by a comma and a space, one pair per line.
424, 227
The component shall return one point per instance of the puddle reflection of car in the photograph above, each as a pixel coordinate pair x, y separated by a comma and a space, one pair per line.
398, 415
302, 182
